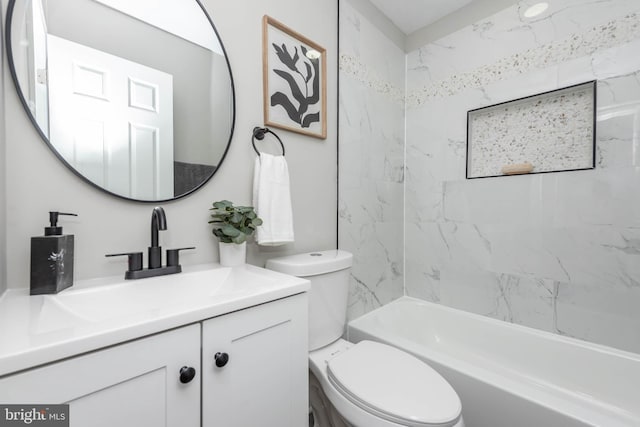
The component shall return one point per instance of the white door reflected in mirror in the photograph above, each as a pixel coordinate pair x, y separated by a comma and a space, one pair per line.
112, 119
139, 101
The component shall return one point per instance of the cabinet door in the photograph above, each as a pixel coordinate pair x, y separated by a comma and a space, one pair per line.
265, 380
135, 384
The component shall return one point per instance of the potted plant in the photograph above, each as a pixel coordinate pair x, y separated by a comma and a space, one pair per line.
232, 225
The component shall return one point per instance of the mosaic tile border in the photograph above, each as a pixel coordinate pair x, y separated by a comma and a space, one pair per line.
610, 34
354, 68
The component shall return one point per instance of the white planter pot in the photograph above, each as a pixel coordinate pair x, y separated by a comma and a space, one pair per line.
233, 254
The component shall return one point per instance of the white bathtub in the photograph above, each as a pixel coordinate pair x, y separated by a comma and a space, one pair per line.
509, 375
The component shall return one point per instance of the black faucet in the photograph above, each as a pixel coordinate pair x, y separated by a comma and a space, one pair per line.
158, 222
135, 271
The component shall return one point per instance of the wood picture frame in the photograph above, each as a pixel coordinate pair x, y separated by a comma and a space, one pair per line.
294, 73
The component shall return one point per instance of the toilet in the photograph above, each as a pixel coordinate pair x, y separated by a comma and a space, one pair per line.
367, 384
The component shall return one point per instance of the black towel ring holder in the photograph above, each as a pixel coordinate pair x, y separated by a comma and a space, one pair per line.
259, 133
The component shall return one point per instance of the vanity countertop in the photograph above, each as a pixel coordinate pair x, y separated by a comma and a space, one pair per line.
97, 313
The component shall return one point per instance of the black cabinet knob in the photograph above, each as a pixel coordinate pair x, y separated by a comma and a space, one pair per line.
221, 359
187, 373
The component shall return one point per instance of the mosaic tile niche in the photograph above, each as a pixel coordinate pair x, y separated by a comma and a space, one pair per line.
549, 132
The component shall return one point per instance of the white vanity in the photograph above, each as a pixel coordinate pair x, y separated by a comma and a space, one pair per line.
120, 352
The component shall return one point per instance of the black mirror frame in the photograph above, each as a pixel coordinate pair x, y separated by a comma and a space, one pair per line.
45, 138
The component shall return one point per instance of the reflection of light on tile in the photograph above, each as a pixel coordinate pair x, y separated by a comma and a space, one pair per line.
619, 110
536, 10
625, 109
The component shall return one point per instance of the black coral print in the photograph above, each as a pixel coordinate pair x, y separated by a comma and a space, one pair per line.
301, 71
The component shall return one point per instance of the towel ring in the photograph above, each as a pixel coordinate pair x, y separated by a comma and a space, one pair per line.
259, 133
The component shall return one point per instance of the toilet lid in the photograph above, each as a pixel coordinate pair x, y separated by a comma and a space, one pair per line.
394, 385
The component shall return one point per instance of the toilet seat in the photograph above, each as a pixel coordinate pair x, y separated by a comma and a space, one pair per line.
367, 371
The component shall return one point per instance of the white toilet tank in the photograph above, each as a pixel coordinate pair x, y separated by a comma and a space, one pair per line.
328, 272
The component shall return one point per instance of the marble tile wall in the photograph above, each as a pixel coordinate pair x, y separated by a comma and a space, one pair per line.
559, 251
371, 160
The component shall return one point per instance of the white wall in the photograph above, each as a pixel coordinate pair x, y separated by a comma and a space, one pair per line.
38, 182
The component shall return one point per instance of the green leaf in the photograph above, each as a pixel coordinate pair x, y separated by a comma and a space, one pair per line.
246, 230
230, 230
233, 223
222, 204
220, 235
240, 238
220, 213
236, 218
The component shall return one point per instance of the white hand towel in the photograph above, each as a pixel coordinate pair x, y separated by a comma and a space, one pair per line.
272, 200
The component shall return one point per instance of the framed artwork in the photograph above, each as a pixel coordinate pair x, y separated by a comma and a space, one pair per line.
549, 132
294, 72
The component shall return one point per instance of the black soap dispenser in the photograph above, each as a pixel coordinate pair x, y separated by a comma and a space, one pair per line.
51, 259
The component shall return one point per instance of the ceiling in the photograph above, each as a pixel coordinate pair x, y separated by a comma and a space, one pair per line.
411, 15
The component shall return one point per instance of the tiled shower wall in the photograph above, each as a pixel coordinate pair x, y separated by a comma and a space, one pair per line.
371, 157
559, 251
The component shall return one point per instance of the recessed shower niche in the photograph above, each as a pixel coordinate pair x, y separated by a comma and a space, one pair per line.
548, 132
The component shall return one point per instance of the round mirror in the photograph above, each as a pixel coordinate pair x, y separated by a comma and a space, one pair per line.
136, 97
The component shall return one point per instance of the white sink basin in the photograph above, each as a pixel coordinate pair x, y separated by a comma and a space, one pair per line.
159, 295
96, 313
